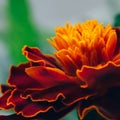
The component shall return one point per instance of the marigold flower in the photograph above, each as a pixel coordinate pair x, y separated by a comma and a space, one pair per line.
85, 75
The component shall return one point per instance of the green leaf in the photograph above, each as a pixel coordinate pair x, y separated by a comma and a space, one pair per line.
117, 20
21, 30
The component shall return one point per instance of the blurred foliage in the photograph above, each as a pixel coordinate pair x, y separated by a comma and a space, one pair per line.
22, 31
71, 116
117, 20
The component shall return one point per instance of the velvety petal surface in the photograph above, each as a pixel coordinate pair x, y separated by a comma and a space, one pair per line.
3, 100
66, 91
107, 105
100, 77
18, 78
50, 115
25, 106
50, 77
5, 88
56, 82
37, 110
105, 80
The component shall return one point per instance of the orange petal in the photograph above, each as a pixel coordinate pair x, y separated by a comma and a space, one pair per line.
111, 44
49, 77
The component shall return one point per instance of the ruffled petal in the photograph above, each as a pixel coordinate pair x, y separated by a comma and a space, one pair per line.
84, 107
25, 106
40, 109
53, 115
18, 78
49, 77
107, 105
5, 88
101, 77
3, 100
54, 83
24, 76
65, 91
34, 55
50, 115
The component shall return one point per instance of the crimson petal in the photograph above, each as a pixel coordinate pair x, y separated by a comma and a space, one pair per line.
50, 115
18, 78
5, 88
55, 82
107, 105
34, 55
100, 77
25, 106
42, 109
49, 77
24, 76
3, 100
67, 91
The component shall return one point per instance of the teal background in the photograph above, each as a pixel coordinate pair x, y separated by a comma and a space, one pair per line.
18, 28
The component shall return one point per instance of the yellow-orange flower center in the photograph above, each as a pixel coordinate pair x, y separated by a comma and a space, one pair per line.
88, 43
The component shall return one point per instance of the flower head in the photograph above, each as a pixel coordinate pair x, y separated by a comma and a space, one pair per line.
87, 61
89, 43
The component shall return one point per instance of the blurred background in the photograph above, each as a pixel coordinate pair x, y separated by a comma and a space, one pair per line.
32, 22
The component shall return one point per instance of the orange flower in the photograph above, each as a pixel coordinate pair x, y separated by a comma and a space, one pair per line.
85, 74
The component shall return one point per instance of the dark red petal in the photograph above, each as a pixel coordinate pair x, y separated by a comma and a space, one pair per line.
107, 106
44, 78
53, 115
42, 109
50, 77
86, 106
36, 77
54, 83
101, 77
5, 88
35, 55
67, 91
50, 115
18, 78
3, 100
25, 106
